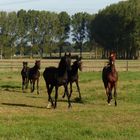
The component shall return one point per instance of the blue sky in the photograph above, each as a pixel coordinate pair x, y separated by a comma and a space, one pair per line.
71, 6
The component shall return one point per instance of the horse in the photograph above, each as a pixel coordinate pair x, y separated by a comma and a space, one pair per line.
110, 78
73, 76
56, 77
24, 74
33, 76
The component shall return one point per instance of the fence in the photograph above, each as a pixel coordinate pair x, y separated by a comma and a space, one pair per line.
88, 65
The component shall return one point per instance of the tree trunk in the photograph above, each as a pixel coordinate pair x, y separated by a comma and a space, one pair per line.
81, 50
60, 51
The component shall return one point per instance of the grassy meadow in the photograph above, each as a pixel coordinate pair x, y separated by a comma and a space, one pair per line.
24, 116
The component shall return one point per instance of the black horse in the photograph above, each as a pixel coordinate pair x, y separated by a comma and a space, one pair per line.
34, 75
73, 75
24, 74
110, 78
56, 77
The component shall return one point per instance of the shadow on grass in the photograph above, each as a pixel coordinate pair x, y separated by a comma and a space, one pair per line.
10, 88
22, 105
75, 100
34, 96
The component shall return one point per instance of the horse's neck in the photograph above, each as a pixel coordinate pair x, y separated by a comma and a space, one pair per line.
62, 72
74, 69
25, 69
113, 69
35, 68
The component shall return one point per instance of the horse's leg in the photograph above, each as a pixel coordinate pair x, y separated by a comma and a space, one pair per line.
37, 86
70, 89
49, 90
106, 87
33, 85
56, 96
66, 91
109, 93
115, 94
78, 88
23, 83
27, 81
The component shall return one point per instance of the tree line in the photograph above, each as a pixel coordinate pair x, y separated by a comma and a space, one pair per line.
115, 28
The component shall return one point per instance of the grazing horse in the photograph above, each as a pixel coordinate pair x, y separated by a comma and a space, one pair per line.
56, 77
24, 74
34, 75
73, 75
110, 78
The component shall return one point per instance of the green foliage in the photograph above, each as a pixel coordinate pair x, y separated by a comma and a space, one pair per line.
80, 29
117, 28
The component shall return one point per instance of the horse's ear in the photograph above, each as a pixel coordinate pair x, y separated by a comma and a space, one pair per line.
65, 54
24, 62
69, 54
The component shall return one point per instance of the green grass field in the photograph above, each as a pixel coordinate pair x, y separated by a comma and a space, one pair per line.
24, 116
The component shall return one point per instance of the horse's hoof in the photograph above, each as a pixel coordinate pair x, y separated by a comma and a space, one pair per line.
69, 106
109, 104
49, 105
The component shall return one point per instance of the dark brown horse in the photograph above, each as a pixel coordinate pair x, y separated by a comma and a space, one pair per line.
24, 74
34, 75
110, 78
56, 77
73, 75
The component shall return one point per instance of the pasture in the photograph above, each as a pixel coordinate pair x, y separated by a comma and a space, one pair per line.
24, 116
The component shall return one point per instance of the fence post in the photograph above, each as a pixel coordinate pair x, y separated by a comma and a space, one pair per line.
127, 65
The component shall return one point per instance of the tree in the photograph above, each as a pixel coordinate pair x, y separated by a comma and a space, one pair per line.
21, 30
116, 28
63, 30
12, 31
32, 32
2, 31
79, 29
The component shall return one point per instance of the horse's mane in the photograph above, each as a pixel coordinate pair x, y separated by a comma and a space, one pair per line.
62, 63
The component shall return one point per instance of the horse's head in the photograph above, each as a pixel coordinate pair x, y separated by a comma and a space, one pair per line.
67, 58
25, 64
112, 57
65, 62
37, 64
78, 63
